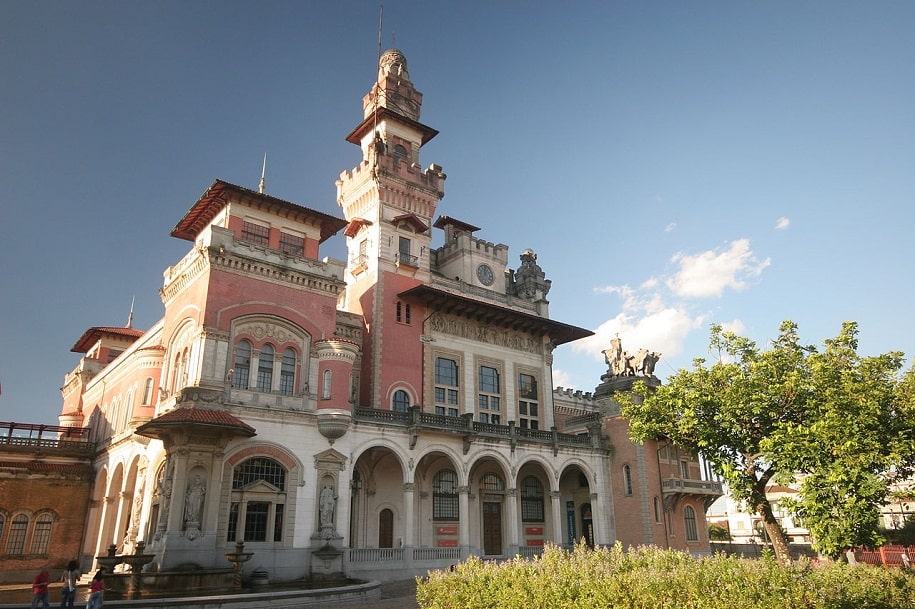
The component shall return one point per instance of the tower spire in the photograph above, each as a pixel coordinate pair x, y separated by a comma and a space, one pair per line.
263, 183
130, 315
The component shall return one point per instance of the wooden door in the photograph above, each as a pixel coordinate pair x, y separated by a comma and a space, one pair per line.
492, 528
386, 529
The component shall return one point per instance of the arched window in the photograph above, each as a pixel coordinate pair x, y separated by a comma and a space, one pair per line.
445, 496
492, 483
531, 500
627, 479
401, 401
400, 153
15, 543
689, 523
242, 365
287, 372
265, 369
41, 534
258, 501
148, 392
325, 389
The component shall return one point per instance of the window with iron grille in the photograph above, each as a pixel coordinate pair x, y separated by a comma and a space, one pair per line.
292, 244
15, 543
492, 483
445, 496
627, 479
255, 233
689, 523
256, 469
531, 500
41, 534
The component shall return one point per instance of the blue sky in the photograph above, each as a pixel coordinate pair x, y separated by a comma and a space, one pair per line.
673, 164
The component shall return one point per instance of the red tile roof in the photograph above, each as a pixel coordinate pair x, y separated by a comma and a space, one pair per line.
196, 417
92, 336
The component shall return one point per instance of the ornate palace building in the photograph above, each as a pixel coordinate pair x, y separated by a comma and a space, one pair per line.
376, 417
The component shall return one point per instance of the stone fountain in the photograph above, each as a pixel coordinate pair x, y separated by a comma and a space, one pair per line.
136, 562
238, 558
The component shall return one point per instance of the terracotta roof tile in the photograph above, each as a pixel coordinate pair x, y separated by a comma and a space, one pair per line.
197, 416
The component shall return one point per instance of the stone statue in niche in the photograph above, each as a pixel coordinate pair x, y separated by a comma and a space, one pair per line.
327, 503
193, 503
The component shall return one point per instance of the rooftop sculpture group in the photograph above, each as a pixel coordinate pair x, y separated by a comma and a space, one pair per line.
622, 363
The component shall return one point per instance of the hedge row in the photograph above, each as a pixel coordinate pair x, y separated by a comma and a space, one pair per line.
651, 578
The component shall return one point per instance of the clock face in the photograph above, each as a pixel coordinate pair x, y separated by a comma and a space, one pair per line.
484, 274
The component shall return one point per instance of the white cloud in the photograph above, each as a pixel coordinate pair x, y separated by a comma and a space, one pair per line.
782, 223
736, 326
670, 227
561, 378
710, 273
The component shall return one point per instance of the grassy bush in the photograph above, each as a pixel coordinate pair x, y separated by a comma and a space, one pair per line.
650, 578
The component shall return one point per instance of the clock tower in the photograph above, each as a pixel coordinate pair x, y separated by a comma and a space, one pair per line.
389, 202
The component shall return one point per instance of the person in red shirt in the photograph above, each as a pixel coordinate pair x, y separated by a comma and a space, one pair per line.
40, 588
97, 590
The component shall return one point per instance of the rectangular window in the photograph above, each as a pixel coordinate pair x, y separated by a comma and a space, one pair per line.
446, 387
278, 523
489, 399
684, 469
403, 312
256, 521
233, 521
292, 244
255, 233
528, 402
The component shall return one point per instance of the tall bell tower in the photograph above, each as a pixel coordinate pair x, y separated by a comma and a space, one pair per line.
389, 202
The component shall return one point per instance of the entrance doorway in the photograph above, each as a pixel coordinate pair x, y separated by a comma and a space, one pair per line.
386, 529
492, 528
587, 525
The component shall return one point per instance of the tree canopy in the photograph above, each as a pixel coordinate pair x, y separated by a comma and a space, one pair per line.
841, 424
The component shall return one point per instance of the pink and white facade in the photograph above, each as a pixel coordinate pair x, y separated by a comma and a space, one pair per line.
393, 412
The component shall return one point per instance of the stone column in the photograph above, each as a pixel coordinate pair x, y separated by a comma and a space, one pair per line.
514, 532
408, 506
464, 515
558, 515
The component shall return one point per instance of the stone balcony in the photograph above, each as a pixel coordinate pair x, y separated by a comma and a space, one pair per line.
416, 423
45, 439
707, 490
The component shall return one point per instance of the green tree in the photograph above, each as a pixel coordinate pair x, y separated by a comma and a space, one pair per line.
718, 532
841, 421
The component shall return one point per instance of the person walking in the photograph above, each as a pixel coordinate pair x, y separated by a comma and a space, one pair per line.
68, 592
96, 590
40, 588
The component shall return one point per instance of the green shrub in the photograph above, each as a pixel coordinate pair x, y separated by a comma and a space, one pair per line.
651, 578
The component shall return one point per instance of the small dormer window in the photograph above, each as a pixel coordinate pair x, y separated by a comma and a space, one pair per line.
400, 153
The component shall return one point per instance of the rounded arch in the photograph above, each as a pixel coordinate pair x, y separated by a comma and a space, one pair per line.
482, 462
542, 464
583, 468
260, 506
436, 452
395, 448
391, 394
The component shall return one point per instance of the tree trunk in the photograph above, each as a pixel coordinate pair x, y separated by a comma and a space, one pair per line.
776, 535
